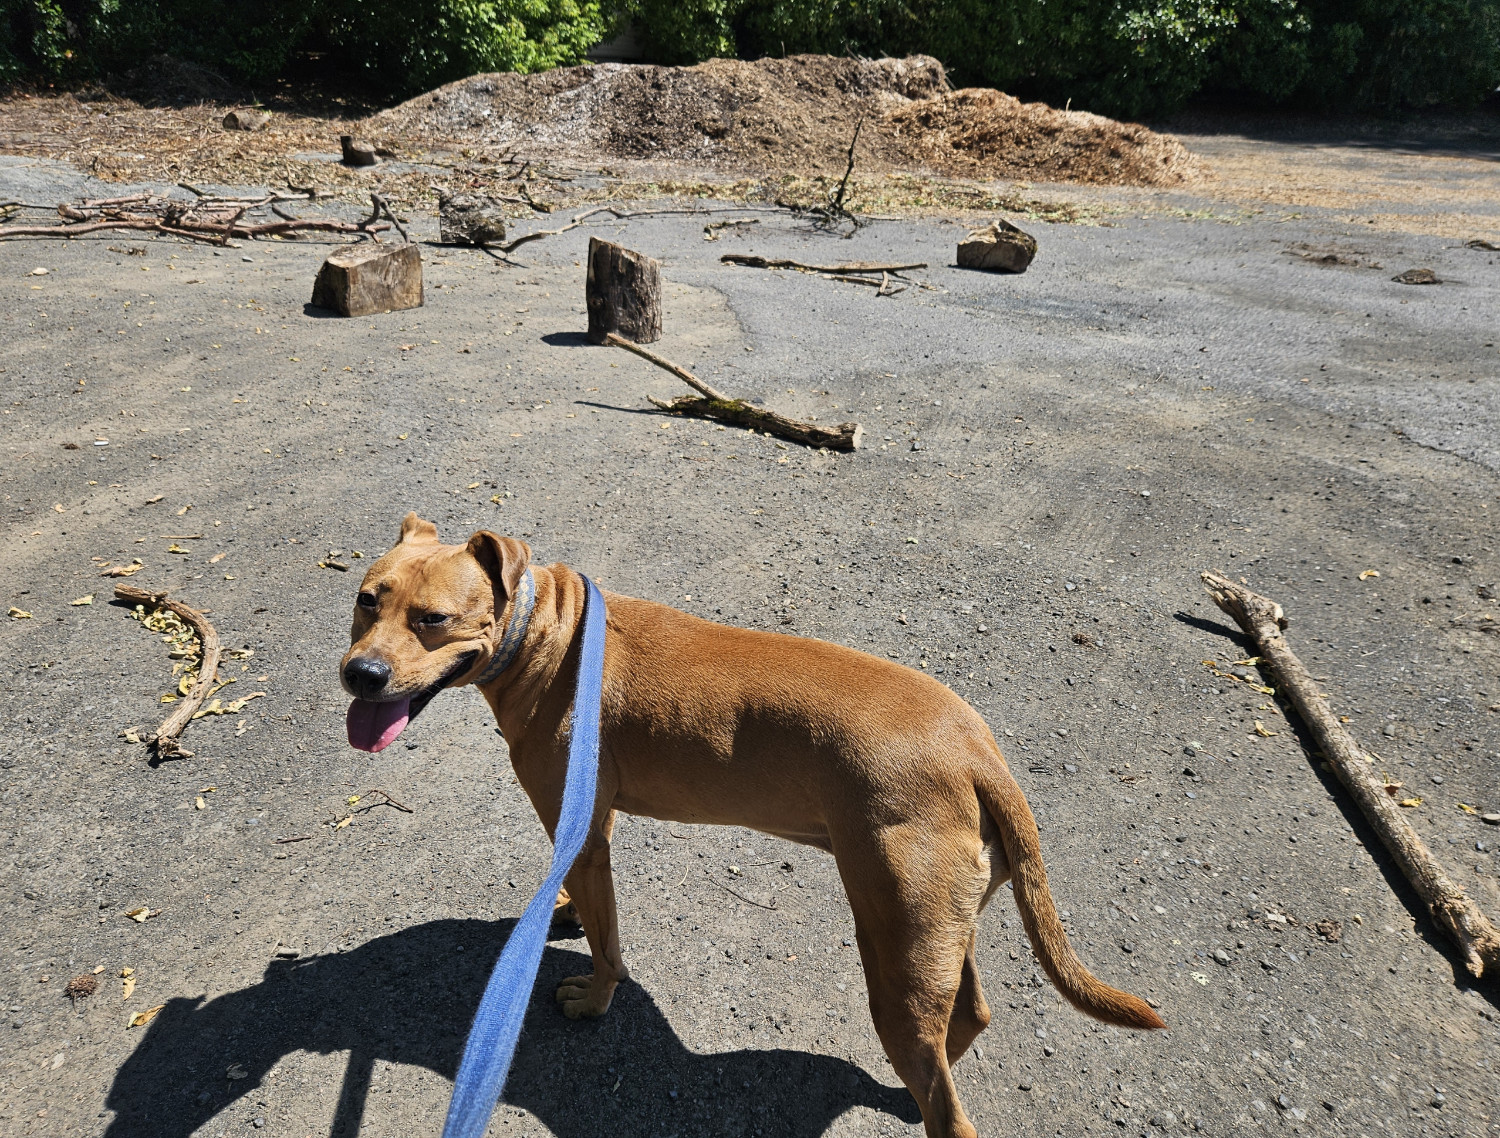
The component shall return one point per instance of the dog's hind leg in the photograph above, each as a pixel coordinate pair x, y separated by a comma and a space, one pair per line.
913, 915
971, 1012
591, 885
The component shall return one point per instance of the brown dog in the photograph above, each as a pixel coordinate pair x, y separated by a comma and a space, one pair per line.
880, 765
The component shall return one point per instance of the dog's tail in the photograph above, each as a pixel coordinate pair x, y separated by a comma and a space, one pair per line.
1007, 806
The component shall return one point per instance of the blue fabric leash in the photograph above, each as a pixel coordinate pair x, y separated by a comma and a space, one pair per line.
497, 1023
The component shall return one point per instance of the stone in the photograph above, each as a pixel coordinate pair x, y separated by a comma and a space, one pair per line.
470, 219
1417, 277
1221, 956
369, 277
998, 248
357, 153
249, 120
1490, 819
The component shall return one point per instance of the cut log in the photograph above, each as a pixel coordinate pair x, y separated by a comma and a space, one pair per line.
623, 293
357, 153
470, 219
1450, 908
997, 248
365, 278
246, 120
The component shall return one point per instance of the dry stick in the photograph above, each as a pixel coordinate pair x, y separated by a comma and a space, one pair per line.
164, 742
717, 405
389, 801
209, 235
1449, 906
737, 893
751, 261
836, 201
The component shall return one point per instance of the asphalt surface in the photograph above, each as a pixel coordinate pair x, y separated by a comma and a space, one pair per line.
1053, 459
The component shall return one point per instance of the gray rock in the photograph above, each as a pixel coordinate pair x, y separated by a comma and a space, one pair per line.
470, 219
1221, 956
1490, 819
998, 248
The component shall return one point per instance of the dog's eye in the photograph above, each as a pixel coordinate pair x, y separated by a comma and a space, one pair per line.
366, 600
433, 619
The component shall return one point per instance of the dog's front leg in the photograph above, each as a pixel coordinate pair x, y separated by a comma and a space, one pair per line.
591, 885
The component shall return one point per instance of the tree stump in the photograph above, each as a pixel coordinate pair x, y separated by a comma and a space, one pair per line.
623, 293
361, 279
357, 153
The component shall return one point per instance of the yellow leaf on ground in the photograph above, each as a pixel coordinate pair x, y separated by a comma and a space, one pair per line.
1263, 731
139, 915
1368, 573
200, 804
128, 986
175, 548
1466, 808
18, 614
141, 1019
344, 821
88, 600
1410, 802
217, 557
123, 570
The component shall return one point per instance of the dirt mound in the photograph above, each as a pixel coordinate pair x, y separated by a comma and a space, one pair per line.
979, 133
787, 114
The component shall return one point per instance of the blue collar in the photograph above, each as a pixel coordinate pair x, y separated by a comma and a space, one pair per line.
515, 630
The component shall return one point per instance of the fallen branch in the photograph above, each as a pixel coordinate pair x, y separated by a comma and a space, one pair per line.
165, 741
1449, 906
389, 801
725, 409
751, 261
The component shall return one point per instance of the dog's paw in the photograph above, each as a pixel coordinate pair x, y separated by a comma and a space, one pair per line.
584, 997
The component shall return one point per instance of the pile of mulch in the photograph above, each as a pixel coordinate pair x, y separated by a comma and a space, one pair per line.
796, 113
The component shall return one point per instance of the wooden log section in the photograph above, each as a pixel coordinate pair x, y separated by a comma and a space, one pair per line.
1451, 909
623, 293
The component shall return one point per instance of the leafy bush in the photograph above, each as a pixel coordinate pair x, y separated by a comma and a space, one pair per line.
1126, 57
1123, 57
401, 46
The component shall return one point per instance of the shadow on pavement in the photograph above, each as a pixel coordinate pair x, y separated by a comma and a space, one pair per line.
409, 997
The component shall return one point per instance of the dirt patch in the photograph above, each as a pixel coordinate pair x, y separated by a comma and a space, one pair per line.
795, 113
979, 133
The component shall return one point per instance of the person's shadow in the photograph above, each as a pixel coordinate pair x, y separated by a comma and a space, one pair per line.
409, 997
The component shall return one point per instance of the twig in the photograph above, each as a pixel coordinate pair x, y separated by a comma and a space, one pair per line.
836, 201
751, 261
165, 741
682, 373
1449, 906
737, 893
288, 841
383, 206
390, 801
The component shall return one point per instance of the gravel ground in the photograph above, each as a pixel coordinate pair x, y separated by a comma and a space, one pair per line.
1054, 458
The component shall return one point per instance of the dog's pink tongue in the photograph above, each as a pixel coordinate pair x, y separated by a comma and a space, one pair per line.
374, 726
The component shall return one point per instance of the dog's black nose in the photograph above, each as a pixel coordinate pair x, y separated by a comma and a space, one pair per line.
366, 676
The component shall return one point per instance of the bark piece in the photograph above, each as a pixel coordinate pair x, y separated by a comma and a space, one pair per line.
623, 293
1417, 277
1451, 909
716, 405
360, 279
470, 219
357, 153
246, 120
165, 742
997, 248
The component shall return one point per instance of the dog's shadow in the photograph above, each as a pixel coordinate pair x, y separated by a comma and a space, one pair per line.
408, 998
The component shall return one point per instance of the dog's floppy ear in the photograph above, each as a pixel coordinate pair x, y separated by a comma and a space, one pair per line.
504, 559
417, 530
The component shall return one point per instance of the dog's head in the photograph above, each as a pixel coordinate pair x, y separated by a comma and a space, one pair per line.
425, 620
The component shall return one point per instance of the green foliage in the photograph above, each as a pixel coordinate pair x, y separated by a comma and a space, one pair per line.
1126, 57
409, 47
1123, 57
401, 47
